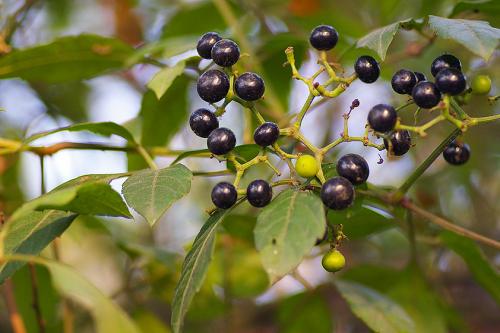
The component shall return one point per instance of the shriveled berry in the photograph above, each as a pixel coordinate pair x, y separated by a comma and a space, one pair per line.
221, 141
205, 44
420, 76
224, 195
333, 261
259, 193
203, 122
354, 168
266, 134
400, 143
403, 81
382, 118
367, 69
450, 81
445, 61
456, 153
225, 53
426, 95
324, 37
249, 86
212, 86
337, 193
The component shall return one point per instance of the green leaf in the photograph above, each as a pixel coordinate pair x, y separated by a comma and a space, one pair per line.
104, 129
480, 268
305, 312
244, 153
152, 192
69, 58
378, 312
287, 229
380, 39
477, 36
189, 153
195, 268
30, 234
165, 48
162, 80
488, 7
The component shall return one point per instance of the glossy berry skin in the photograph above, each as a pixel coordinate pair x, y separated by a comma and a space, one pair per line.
354, 168
403, 81
426, 95
400, 143
481, 85
382, 118
333, 261
450, 81
456, 153
367, 69
212, 86
205, 44
249, 86
324, 37
259, 193
221, 141
266, 134
224, 195
225, 53
420, 76
445, 61
203, 122
337, 193
306, 166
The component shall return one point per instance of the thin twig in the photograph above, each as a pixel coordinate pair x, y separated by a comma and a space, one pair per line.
36, 299
16, 320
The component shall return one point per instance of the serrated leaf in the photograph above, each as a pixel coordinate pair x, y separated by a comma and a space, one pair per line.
480, 268
377, 311
477, 36
69, 58
162, 80
380, 39
287, 230
104, 129
152, 192
195, 268
30, 234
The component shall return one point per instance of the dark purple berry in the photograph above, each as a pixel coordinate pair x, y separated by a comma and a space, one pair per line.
426, 95
367, 69
324, 38
403, 81
212, 86
203, 122
221, 141
225, 53
354, 168
205, 44
249, 86
450, 81
382, 118
259, 193
445, 61
224, 195
456, 153
337, 193
266, 134
420, 76
400, 143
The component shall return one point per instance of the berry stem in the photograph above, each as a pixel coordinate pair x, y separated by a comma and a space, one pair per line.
147, 158
305, 107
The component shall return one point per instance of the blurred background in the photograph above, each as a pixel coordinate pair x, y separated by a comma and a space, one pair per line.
138, 267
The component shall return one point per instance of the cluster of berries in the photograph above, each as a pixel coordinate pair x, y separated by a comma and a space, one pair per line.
212, 87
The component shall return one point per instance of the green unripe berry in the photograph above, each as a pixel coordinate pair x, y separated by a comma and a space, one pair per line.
333, 261
481, 84
306, 166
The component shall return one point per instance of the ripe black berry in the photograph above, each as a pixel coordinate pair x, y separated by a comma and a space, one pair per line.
450, 81
420, 76
400, 143
221, 141
205, 44
203, 122
354, 168
224, 195
445, 61
426, 95
403, 81
212, 86
457, 153
367, 69
337, 193
225, 53
382, 118
266, 134
324, 37
259, 193
249, 86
